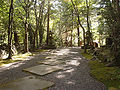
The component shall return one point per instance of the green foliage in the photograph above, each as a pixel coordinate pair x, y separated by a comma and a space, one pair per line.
60, 18
3, 20
109, 11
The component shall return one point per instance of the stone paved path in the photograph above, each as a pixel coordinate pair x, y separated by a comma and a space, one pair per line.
74, 76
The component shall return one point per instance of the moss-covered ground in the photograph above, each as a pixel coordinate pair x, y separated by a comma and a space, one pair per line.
109, 76
86, 55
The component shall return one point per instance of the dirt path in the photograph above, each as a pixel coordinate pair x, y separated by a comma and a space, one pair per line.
74, 76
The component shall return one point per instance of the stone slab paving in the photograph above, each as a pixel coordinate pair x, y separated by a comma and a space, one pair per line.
27, 83
43, 69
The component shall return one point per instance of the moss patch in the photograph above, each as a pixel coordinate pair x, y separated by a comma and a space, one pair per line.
107, 75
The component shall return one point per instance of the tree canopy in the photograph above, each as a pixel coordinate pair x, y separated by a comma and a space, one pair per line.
33, 24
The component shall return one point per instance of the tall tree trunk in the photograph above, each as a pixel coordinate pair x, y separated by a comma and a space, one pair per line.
78, 30
88, 25
90, 39
66, 38
88, 18
26, 27
37, 24
10, 27
72, 27
41, 26
71, 38
41, 32
31, 35
77, 14
83, 34
26, 36
16, 38
47, 42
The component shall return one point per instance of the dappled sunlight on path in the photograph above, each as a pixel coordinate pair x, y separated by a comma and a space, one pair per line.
73, 62
62, 52
74, 74
18, 63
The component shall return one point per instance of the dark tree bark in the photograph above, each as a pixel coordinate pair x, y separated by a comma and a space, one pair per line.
26, 36
10, 27
16, 38
72, 28
32, 37
88, 25
41, 26
78, 30
71, 38
66, 38
37, 24
48, 17
83, 34
89, 39
26, 25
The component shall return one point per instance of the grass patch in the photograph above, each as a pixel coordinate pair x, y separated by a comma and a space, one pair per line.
20, 57
86, 55
3, 62
110, 76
